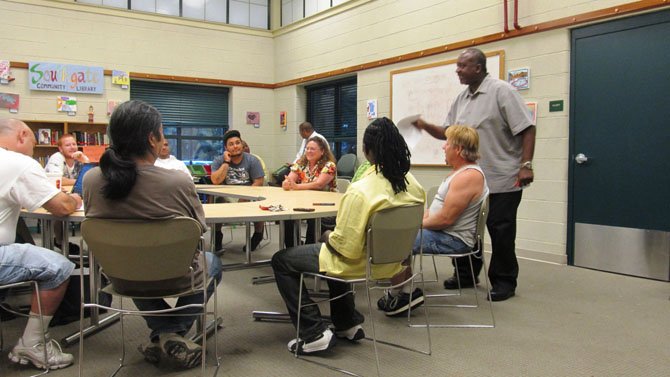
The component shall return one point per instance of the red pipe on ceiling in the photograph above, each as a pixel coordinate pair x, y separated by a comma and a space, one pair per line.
516, 15
505, 16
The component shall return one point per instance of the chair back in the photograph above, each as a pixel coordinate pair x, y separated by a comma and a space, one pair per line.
135, 250
481, 224
430, 195
391, 233
342, 185
346, 166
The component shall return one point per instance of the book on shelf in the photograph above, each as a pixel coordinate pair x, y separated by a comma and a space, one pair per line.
44, 136
84, 138
55, 135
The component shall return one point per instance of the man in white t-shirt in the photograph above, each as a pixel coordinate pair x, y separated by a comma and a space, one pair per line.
167, 161
24, 184
306, 132
68, 160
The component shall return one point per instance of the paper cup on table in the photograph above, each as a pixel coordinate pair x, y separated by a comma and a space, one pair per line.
55, 179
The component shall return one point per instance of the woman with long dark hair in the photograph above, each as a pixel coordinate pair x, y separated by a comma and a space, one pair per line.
386, 184
127, 185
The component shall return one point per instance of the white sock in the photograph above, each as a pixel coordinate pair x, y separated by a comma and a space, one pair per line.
406, 289
33, 332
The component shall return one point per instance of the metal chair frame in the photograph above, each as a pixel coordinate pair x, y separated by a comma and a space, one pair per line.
378, 252
477, 249
35, 286
190, 231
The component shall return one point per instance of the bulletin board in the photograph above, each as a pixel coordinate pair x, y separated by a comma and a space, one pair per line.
429, 90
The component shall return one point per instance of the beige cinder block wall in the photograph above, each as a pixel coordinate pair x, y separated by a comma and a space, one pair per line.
70, 33
380, 29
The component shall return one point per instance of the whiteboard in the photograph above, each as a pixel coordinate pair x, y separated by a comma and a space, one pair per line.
429, 90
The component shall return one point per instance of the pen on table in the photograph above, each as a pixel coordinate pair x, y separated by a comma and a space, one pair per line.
323, 204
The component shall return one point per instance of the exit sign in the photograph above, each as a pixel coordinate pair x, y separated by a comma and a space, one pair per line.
556, 105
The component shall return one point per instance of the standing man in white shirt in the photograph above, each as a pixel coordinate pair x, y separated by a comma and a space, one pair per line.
167, 161
306, 132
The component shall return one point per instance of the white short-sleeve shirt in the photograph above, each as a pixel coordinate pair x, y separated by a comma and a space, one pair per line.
24, 184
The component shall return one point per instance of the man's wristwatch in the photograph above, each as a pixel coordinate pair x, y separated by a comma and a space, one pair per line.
528, 165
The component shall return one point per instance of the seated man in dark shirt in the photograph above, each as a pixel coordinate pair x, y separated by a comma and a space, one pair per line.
236, 167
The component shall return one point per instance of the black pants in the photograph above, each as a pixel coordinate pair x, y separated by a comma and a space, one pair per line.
501, 224
289, 228
287, 265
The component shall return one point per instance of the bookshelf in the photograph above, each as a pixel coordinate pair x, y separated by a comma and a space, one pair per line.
47, 134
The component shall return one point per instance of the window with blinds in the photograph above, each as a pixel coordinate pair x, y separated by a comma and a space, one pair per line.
331, 108
195, 117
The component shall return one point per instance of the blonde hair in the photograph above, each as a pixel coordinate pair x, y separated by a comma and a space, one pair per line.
465, 137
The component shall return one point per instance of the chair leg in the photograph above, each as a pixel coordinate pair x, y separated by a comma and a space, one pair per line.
475, 305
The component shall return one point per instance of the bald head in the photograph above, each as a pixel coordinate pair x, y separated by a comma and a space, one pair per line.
16, 136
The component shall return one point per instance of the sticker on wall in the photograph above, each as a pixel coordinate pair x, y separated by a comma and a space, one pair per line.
67, 104
9, 101
519, 78
254, 117
371, 109
121, 78
111, 105
282, 120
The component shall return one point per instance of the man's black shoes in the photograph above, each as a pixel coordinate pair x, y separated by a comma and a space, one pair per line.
452, 283
500, 295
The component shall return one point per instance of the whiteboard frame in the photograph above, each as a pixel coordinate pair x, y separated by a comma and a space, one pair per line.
501, 75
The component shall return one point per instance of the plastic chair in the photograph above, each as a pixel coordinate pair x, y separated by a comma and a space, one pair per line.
342, 185
129, 251
33, 285
390, 235
476, 252
346, 166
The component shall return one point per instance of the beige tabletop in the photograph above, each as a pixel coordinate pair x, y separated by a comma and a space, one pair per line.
245, 211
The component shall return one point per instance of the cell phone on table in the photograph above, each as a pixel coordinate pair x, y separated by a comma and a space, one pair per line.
304, 209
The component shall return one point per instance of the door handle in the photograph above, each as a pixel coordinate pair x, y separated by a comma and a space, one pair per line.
581, 158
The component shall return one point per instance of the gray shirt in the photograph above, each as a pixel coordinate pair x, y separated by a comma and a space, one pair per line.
242, 174
499, 114
157, 194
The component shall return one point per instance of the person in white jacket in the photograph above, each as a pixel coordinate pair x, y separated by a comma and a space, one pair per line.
167, 161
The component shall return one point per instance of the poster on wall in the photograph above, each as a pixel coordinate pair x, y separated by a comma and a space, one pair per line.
4, 71
121, 78
9, 101
111, 105
519, 78
532, 110
282, 120
65, 78
253, 117
67, 104
371, 109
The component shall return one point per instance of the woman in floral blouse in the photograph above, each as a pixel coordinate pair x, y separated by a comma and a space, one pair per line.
316, 170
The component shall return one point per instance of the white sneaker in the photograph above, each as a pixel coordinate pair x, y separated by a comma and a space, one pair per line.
56, 358
321, 342
353, 334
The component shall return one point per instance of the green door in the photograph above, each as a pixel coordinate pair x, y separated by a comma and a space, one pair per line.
619, 173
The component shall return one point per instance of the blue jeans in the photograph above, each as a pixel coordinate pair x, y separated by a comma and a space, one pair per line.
179, 324
436, 242
23, 261
287, 265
